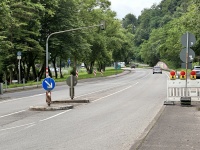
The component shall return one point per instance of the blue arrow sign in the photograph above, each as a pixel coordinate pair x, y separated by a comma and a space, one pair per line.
48, 84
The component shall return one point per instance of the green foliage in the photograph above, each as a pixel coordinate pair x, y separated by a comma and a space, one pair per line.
159, 38
153, 36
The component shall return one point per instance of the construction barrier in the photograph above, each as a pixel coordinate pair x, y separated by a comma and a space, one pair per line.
177, 89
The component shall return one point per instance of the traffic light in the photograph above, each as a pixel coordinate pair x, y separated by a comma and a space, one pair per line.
172, 75
193, 75
182, 75
102, 25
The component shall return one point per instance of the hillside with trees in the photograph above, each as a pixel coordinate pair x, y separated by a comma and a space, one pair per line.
158, 31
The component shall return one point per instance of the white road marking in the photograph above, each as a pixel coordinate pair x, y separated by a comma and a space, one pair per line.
12, 113
18, 126
115, 92
5, 101
55, 115
95, 92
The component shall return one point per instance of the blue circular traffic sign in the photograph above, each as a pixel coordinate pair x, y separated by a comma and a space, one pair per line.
19, 53
68, 61
48, 84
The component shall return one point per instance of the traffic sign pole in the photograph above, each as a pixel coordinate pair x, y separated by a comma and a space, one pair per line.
19, 58
72, 87
187, 41
19, 72
187, 61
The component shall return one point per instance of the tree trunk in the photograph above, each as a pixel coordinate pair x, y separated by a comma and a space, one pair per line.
42, 71
54, 66
61, 76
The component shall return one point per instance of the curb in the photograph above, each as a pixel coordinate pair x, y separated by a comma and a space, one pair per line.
48, 108
70, 101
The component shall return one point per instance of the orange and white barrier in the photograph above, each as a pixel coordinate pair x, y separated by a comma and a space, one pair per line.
95, 73
77, 73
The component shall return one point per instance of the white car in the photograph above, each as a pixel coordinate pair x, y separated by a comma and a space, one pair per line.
157, 69
197, 70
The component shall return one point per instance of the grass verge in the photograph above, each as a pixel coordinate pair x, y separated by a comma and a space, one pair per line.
81, 75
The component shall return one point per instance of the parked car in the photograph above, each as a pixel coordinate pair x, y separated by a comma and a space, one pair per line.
197, 70
157, 69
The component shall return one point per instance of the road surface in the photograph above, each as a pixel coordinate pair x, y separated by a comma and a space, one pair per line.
119, 112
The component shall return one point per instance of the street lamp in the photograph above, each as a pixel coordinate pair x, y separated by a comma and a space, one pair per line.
102, 25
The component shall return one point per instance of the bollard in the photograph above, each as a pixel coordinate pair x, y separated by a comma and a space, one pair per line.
1, 88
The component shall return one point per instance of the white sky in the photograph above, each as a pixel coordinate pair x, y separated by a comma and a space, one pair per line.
124, 7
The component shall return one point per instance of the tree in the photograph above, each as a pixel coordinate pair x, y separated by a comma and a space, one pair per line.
21, 34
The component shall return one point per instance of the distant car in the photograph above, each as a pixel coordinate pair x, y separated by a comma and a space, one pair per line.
132, 66
197, 70
157, 69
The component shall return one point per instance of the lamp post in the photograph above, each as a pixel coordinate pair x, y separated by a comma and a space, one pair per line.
102, 25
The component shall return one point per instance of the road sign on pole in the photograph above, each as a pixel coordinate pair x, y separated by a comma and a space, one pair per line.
191, 55
187, 55
48, 84
72, 82
19, 58
19, 53
188, 39
69, 61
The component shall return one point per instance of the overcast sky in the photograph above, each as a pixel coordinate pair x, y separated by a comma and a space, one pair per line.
124, 7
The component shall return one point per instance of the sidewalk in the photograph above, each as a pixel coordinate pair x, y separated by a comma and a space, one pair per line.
178, 128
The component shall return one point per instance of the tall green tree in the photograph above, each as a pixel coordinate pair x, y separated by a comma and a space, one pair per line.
22, 34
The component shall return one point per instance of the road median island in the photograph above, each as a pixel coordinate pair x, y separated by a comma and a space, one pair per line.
50, 108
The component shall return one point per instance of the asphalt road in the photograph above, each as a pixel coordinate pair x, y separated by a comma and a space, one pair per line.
120, 111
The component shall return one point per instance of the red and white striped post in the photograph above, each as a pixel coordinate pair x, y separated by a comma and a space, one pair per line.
47, 72
95, 73
77, 73
102, 72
